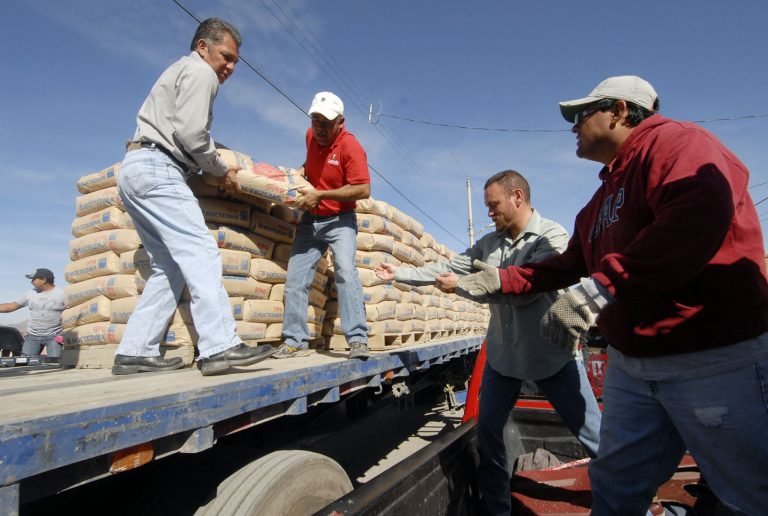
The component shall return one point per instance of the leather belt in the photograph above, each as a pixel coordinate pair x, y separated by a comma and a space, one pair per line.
132, 146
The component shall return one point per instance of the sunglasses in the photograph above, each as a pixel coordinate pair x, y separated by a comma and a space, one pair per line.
602, 105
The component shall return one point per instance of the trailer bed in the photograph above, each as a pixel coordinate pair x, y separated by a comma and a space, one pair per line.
91, 423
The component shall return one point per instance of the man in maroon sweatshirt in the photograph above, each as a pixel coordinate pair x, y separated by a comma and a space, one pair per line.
667, 261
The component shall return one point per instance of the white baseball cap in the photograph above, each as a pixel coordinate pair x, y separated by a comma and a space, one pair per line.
327, 104
626, 87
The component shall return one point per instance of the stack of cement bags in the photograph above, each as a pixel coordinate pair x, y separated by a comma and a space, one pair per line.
398, 313
254, 232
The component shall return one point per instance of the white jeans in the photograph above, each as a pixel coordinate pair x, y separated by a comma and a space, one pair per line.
170, 224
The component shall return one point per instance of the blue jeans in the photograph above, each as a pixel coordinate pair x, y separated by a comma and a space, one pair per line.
570, 394
33, 345
313, 237
720, 417
170, 224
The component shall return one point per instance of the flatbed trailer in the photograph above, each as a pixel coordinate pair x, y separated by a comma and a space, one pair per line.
61, 428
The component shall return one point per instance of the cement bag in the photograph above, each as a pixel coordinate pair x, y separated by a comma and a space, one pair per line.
369, 223
460, 306
430, 255
242, 240
235, 263
179, 334
202, 190
372, 259
381, 311
98, 200
430, 290
433, 312
263, 311
245, 286
412, 240
412, 297
286, 214
99, 180
94, 333
398, 217
114, 287
446, 303
108, 218
282, 252
427, 240
268, 271
272, 228
103, 264
91, 311
267, 182
250, 330
419, 312
235, 158
320, 281
379, 293
405, 311
405, 287
322, 265
226, 212
237, 303
317, 298
315, 315
415, 326
415, 227
117, 240
131, 261
372, 242
432, 325
372, 206
404, 253
368, 278
389, 326
121, 309
278, 292
274, 331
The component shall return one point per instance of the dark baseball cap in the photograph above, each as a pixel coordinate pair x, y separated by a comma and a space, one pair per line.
42, 274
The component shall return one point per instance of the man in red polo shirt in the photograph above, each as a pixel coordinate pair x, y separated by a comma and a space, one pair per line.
337, 168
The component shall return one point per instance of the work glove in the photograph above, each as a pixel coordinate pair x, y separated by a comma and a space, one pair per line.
569, 317
485, 282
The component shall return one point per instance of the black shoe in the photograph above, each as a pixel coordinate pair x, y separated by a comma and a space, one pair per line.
240, 355
125, 364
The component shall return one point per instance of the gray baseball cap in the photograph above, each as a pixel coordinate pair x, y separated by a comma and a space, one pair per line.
626, 87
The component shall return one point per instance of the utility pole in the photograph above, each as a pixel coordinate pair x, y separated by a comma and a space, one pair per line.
469, 210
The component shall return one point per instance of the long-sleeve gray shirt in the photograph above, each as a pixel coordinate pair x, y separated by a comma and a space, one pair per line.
177, 114
514, 344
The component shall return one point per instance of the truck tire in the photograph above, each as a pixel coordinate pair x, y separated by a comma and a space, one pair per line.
285, 482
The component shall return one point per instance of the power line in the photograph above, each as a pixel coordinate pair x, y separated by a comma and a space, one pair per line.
287, 97
497, 129
507, 130
758, 184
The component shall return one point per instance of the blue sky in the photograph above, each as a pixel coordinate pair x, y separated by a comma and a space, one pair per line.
76, 72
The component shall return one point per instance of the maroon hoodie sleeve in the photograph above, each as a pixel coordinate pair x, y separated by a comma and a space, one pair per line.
554, 273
